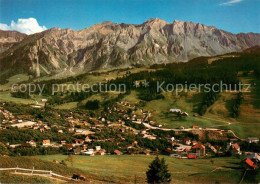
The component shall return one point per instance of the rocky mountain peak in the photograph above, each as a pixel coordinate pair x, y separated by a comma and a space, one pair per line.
108, 45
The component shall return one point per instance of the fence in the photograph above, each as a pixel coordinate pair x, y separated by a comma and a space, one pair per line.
35, 172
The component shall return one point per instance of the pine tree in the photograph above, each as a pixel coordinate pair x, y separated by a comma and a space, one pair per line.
158, 172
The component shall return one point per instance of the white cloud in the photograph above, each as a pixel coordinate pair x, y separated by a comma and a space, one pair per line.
27, 26
230, 2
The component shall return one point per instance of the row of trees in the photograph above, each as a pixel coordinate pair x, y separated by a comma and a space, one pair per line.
236, 104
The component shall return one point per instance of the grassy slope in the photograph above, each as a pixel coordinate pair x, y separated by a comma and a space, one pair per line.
248, 122
7, 177
217, 116
186, 102
14, 80
30, 162
126, 167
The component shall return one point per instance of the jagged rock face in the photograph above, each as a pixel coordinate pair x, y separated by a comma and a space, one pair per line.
9, 38
108, 45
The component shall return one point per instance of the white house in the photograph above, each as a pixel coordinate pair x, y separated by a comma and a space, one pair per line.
175, 110
89, 152
98, 148
252, 140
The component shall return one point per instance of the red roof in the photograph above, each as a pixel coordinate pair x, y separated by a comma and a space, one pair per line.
117, 152
69, 146
235, 146
198, 146
250, 163
46, 141
79, 141
191, 156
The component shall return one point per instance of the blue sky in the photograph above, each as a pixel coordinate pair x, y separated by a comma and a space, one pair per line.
231, 15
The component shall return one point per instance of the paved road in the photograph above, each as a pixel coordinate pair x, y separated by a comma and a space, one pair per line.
186, 129
174, 129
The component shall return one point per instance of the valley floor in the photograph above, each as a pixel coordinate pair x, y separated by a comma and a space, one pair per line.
131, 168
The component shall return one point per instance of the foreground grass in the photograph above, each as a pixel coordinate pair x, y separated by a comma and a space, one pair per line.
126, 168
30, 162
7, 177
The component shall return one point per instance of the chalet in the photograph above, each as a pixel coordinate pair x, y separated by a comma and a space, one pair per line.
69, 146
32, 143
76, 151
195, 126
218, 148
47, 127
250, 163
86, 123
187, 141
200, 149
254, 157
98, 148
63, 142
181, 127
71, 129
85, 146
147, 152
79, 130
89, 152
143, 131
117, 152
252, 140
181, 148
192, 156
101, 152
79, 141
87, 139
60, 131
194, 142
149, 137
129, 146
139, 121
175, 111
35, 127
236, 148
212, 147
46, 142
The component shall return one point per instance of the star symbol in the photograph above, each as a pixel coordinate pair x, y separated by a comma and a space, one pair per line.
146, 84
135, 84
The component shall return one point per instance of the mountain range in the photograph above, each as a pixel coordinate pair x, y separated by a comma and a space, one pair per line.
111, 45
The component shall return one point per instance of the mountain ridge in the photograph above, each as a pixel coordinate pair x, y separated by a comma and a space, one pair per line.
111, 45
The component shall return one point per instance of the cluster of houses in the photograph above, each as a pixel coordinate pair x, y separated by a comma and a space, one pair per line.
7, 115
186, 148
192, 149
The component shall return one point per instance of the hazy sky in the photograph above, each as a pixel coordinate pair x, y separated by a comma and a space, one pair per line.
231, 15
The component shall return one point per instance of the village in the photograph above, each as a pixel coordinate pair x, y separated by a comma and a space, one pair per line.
129, 131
